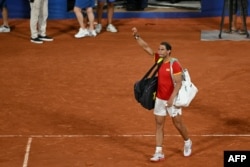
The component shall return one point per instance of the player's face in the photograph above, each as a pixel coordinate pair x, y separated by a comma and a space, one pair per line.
162, 51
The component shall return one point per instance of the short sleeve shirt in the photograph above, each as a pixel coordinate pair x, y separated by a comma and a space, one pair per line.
165, 85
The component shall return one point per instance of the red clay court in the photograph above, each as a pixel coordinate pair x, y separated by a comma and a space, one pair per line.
70, 103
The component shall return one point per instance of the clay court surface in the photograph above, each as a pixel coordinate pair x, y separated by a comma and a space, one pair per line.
70, 103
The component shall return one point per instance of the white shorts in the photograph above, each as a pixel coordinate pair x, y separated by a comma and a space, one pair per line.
161, 109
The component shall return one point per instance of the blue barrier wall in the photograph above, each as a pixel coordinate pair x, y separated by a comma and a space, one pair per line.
18, 8
58, 10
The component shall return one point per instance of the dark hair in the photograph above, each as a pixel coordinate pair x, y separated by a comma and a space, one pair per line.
167, 45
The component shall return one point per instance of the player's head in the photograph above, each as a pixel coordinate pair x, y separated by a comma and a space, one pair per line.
164, 49
167, 45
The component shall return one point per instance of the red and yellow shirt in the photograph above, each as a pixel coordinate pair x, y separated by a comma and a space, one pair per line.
165, 85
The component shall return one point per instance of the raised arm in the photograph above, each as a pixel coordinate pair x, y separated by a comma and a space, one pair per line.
141, 42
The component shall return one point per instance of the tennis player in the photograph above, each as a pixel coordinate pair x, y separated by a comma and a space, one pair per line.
166, 92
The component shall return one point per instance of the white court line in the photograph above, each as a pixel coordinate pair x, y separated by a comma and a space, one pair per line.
26, 157
132, 135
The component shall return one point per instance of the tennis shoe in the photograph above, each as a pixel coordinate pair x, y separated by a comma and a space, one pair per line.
36, 40
98, 28
82, 33
4, 28
187, 149
45, 38
92, 33
111, 28
157, 157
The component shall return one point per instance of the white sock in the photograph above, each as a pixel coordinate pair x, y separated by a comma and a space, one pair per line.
158, 149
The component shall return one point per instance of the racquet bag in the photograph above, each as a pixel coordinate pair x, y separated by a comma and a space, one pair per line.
187, 91
145, 89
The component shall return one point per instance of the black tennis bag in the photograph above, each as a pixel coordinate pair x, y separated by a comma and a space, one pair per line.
145, 89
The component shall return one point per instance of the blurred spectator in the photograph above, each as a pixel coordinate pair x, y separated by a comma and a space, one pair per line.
38, 21
110, 12
5, 27
86, 5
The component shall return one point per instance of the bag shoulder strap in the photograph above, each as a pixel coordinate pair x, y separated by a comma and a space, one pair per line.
172, 60
158, 63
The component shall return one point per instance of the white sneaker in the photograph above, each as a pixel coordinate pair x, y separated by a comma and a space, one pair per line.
4, 28
157, 157
92, 33
98, 28
187, 149
82, 33
111, 28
